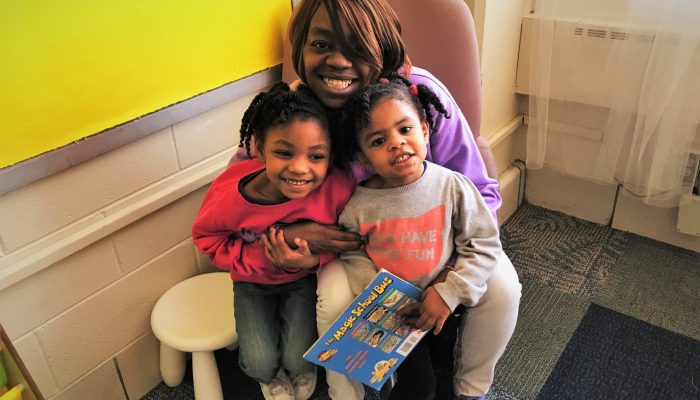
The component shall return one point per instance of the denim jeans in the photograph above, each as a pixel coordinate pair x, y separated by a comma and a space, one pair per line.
276, 324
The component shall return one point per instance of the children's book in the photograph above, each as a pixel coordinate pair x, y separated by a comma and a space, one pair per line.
369, 340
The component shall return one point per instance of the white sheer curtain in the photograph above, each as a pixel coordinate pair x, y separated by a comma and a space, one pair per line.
640, 93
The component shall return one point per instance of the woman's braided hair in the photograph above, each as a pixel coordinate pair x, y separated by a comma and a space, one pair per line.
280, 106
389, 86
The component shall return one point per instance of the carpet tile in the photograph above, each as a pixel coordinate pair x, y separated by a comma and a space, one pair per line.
615, 356
548, 319
499, 393
567, 253
657, 283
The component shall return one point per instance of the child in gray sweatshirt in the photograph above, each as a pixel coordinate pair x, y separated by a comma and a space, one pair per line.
415, 216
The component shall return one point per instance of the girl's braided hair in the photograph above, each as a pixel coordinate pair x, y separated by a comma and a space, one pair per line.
389, 86
279, 106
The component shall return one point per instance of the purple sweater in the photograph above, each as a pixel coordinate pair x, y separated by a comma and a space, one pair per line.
452, 145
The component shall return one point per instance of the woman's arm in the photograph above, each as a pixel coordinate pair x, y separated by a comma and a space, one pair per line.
321, 238
282, 256
489, 161
453, 145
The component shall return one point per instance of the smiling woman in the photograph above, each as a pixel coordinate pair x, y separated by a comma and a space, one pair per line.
334, 66
74, 69
327, 71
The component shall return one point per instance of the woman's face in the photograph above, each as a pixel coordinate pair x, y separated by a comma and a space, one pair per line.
332, 75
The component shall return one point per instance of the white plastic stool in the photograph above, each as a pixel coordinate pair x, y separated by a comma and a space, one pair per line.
196, 316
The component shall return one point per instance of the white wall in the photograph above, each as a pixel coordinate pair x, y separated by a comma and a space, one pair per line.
500, 40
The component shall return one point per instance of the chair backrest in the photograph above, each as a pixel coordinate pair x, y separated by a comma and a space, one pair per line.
440, 37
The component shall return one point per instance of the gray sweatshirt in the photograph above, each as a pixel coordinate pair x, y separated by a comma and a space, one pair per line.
413, 230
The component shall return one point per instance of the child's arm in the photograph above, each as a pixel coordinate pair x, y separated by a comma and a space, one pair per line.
280, 254
431, 312
217, 233
226, 250
477, 245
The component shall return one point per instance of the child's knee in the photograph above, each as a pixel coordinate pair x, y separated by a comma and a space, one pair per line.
261, 366
504, 288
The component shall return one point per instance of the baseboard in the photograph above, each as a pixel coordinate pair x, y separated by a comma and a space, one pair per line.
689, 215
560, 192
660, 224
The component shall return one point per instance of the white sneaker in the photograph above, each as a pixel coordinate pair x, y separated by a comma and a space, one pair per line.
304, 385
280, 388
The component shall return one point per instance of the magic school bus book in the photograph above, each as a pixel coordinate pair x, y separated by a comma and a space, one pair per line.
370, 340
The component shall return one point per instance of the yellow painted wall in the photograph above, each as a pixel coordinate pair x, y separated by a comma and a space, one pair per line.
72, 68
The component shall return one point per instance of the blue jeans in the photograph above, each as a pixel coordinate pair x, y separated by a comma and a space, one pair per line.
276, 324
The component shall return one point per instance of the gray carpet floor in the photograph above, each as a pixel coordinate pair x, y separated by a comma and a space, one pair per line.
573, 272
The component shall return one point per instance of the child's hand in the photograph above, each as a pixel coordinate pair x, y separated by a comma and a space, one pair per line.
430, 313
282, 256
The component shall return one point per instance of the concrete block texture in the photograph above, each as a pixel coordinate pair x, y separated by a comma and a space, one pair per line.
33, 358
42, 296
139, 366
157, 232
36, 210
211, 132
101, 383
103, 324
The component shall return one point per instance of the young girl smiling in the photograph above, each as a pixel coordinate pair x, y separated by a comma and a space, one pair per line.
240, 228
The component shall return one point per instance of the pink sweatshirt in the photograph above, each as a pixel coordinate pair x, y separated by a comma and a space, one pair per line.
226, 217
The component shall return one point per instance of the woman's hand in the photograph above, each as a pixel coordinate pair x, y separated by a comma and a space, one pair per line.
321, 238
280, 254
431, 313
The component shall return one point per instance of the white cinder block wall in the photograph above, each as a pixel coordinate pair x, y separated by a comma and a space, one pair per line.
82, 323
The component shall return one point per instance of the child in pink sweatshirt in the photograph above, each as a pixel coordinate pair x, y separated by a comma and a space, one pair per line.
240, 227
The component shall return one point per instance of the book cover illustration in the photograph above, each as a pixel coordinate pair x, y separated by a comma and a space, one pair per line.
369, 340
